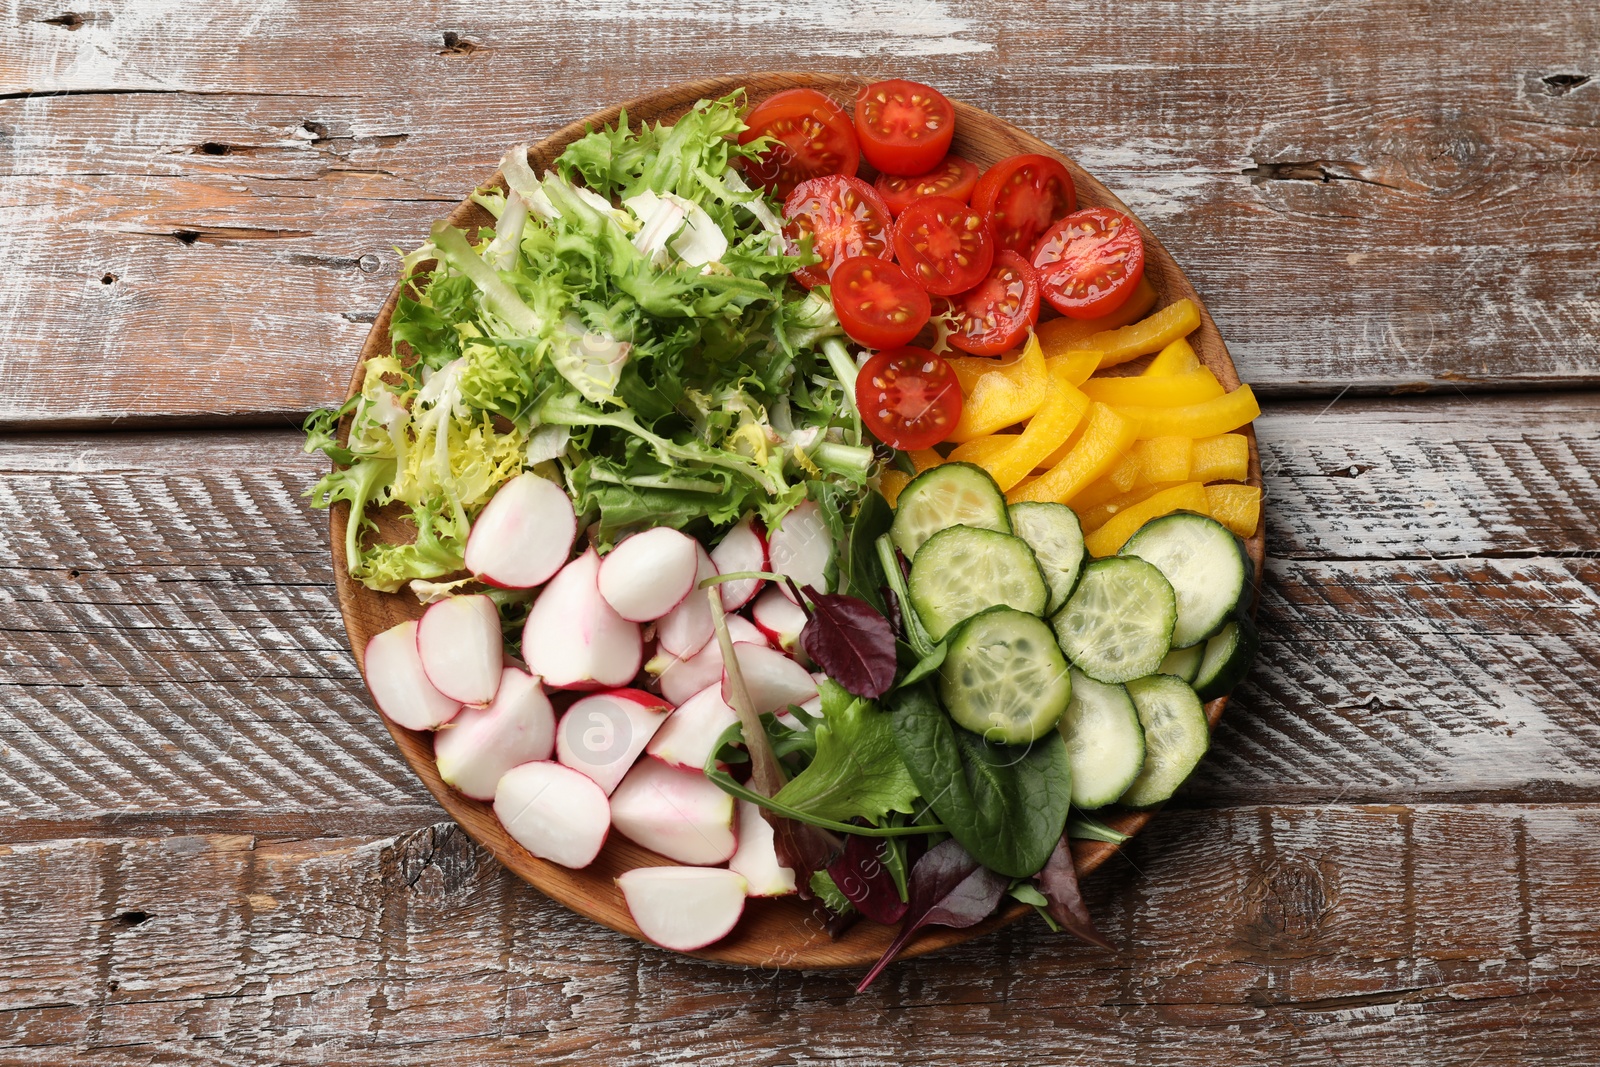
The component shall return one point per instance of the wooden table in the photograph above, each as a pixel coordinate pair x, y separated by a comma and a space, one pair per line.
211, 851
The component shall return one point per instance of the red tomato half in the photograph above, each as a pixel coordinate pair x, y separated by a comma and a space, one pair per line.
943, 244
843, 216
955, 178
909, 398
815, 137
1022, 196
878, 304
994, 317
1090, 262
905, 127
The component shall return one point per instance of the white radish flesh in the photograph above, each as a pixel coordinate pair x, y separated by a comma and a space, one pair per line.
461, 648
774, 680
523, 535
690, 734
742, 549
675, 812
779, 618
684, 678
683, 908
602, 734
554, 812
687, 628
801, 548
482, 744
649, 574
400, 686
757, 858
573, 639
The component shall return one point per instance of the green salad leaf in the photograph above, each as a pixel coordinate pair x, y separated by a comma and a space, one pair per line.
857, 771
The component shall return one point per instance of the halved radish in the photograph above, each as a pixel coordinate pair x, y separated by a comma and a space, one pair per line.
741, 549
685, 629
678, 813
681, 679
778, 617
756, 858
461, 648
649, 574
774, 680
602, 734
690, 734
554, 812
484, 743
683, 908
801, 548
523, 535
573, 639
400, 686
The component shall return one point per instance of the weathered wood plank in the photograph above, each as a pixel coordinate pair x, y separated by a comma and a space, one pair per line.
1354, 203
1337, 936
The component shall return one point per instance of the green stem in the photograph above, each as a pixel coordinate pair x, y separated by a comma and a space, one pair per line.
916, 636
726, 783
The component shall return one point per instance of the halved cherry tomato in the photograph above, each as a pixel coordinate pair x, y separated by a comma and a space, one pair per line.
815, 137
1090, 262
1022, 196
878, 304
954, 177
943, 244
844, 217
994, 317
908, 397
905, 127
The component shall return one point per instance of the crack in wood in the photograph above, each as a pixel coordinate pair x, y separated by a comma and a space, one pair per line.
1562, 84
1315, 170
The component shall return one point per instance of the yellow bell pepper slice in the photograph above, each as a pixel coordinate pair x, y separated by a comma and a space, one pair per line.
1106, 438
1064, 335
1148, 335
1176, 358
891, 482
1047, 431
1164, 459
1109, 539
1170, 391
1223, 458
1005, 394
923, 458
1092, 518
981, 450
1205, 419
1075, 367
1238, 507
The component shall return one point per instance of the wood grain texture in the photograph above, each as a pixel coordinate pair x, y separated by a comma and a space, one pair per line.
1352, 201
1335, 936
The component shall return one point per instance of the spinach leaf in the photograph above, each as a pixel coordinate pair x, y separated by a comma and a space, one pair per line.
861, 575
1007, 804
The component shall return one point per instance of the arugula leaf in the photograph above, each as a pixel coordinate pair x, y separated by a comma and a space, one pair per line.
857, 771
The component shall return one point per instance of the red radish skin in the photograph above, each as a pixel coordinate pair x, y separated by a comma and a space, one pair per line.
774, 680
554, 812
802, 548
690, 734
462, 649
400, 686
573, 639
757, 859
687, 628
681, 679
778, 617
741, 549
677, 813
481, 744
604, 733
649, 574
523, 535
683, 908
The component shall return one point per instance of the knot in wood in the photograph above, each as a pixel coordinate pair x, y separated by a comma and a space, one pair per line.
1285, 904
439, 860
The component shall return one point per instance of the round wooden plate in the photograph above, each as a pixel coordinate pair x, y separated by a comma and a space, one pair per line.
783, 933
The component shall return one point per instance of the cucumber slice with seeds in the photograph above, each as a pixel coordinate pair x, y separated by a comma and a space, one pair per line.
1117, 625
961, 571
1056, 537
1176, 735
1227, 659
1206, 565
1004, 677
1105, 743
951, 494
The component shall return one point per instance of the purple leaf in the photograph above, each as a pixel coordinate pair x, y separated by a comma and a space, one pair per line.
948, 888
1058, 881
849, 640
862, 877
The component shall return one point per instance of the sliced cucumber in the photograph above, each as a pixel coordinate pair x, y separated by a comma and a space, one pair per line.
951, 494
1183, 662
1227, 659
1004, 677
1176, 735
1105, 743
1206, 565
1117, 625
960, 571
1056, 537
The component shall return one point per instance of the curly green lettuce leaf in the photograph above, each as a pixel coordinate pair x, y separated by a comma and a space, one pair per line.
857, 771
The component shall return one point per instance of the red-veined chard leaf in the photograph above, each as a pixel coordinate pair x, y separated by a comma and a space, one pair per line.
1058, 881
948, 888
852, 641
